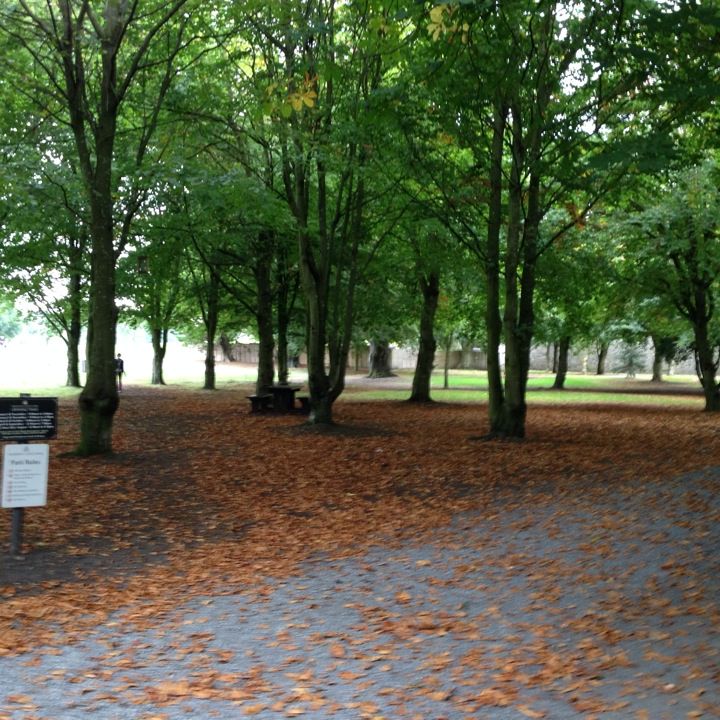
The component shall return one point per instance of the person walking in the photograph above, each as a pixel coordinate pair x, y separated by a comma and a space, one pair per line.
119, 370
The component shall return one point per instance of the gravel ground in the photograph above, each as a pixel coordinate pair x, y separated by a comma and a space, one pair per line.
561, 609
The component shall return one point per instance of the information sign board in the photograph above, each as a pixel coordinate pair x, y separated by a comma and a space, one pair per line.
28, 418
25, 475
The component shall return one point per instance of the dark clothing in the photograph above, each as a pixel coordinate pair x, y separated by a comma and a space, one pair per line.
119, 370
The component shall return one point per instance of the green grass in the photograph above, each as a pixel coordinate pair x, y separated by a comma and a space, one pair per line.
40, 391
478, 379
466, 386
536, 397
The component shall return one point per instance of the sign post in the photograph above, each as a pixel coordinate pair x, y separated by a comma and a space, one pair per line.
17, 520
25, 467
24, 484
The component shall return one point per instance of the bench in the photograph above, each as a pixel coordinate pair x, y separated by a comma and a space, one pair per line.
260, 403
304, 404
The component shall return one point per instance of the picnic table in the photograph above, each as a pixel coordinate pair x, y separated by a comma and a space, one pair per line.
279, 398
283, 397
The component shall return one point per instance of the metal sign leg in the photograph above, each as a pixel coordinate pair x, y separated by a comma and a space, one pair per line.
16, 530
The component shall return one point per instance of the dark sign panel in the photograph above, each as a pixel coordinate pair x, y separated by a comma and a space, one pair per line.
28, 418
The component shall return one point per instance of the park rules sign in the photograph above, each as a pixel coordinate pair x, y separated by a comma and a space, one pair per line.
28, 418
25, 475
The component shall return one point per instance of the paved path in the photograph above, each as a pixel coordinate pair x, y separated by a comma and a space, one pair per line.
563, 608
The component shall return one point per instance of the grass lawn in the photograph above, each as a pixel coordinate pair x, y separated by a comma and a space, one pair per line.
548, 397
468, 386
465, 386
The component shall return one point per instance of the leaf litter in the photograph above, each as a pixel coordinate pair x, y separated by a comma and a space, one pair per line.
230, 565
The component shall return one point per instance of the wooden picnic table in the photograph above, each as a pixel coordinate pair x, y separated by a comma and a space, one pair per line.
279, 398
284, 397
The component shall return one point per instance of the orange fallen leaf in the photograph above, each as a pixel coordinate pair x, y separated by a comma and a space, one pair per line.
528, 712
254, 709
337, 651
173, 688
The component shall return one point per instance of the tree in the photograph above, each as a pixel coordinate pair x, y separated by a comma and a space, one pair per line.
152, 278
47, 269
429, 283
43, 246
329, 295
205, 265
89, 59
237, 158
431, 259
575, 279
541, 87
322, 68
677, 243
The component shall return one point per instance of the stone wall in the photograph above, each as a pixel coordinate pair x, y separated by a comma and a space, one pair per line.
405, 358
585, 360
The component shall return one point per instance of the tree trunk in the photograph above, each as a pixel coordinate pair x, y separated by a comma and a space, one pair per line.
446, 363
283, 360
87, 42
493, 322
264, 313
657, 374
226, 348
211, 323
287, 284
564, 351
602, 354
73, 354
321, 410
510, 422
468, 355
74, 331
520, 266
521, 246
706, 364
359, 357
98, 400
430, 287
318, 381
73, 362
159, 345
209, 381
380, 359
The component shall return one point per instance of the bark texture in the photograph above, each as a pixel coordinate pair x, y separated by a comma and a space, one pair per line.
262, 270
159, 339
430, 288
210, 318
602, 354
562, 367
380, 359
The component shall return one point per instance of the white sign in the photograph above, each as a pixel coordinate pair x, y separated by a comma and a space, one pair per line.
25, 475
